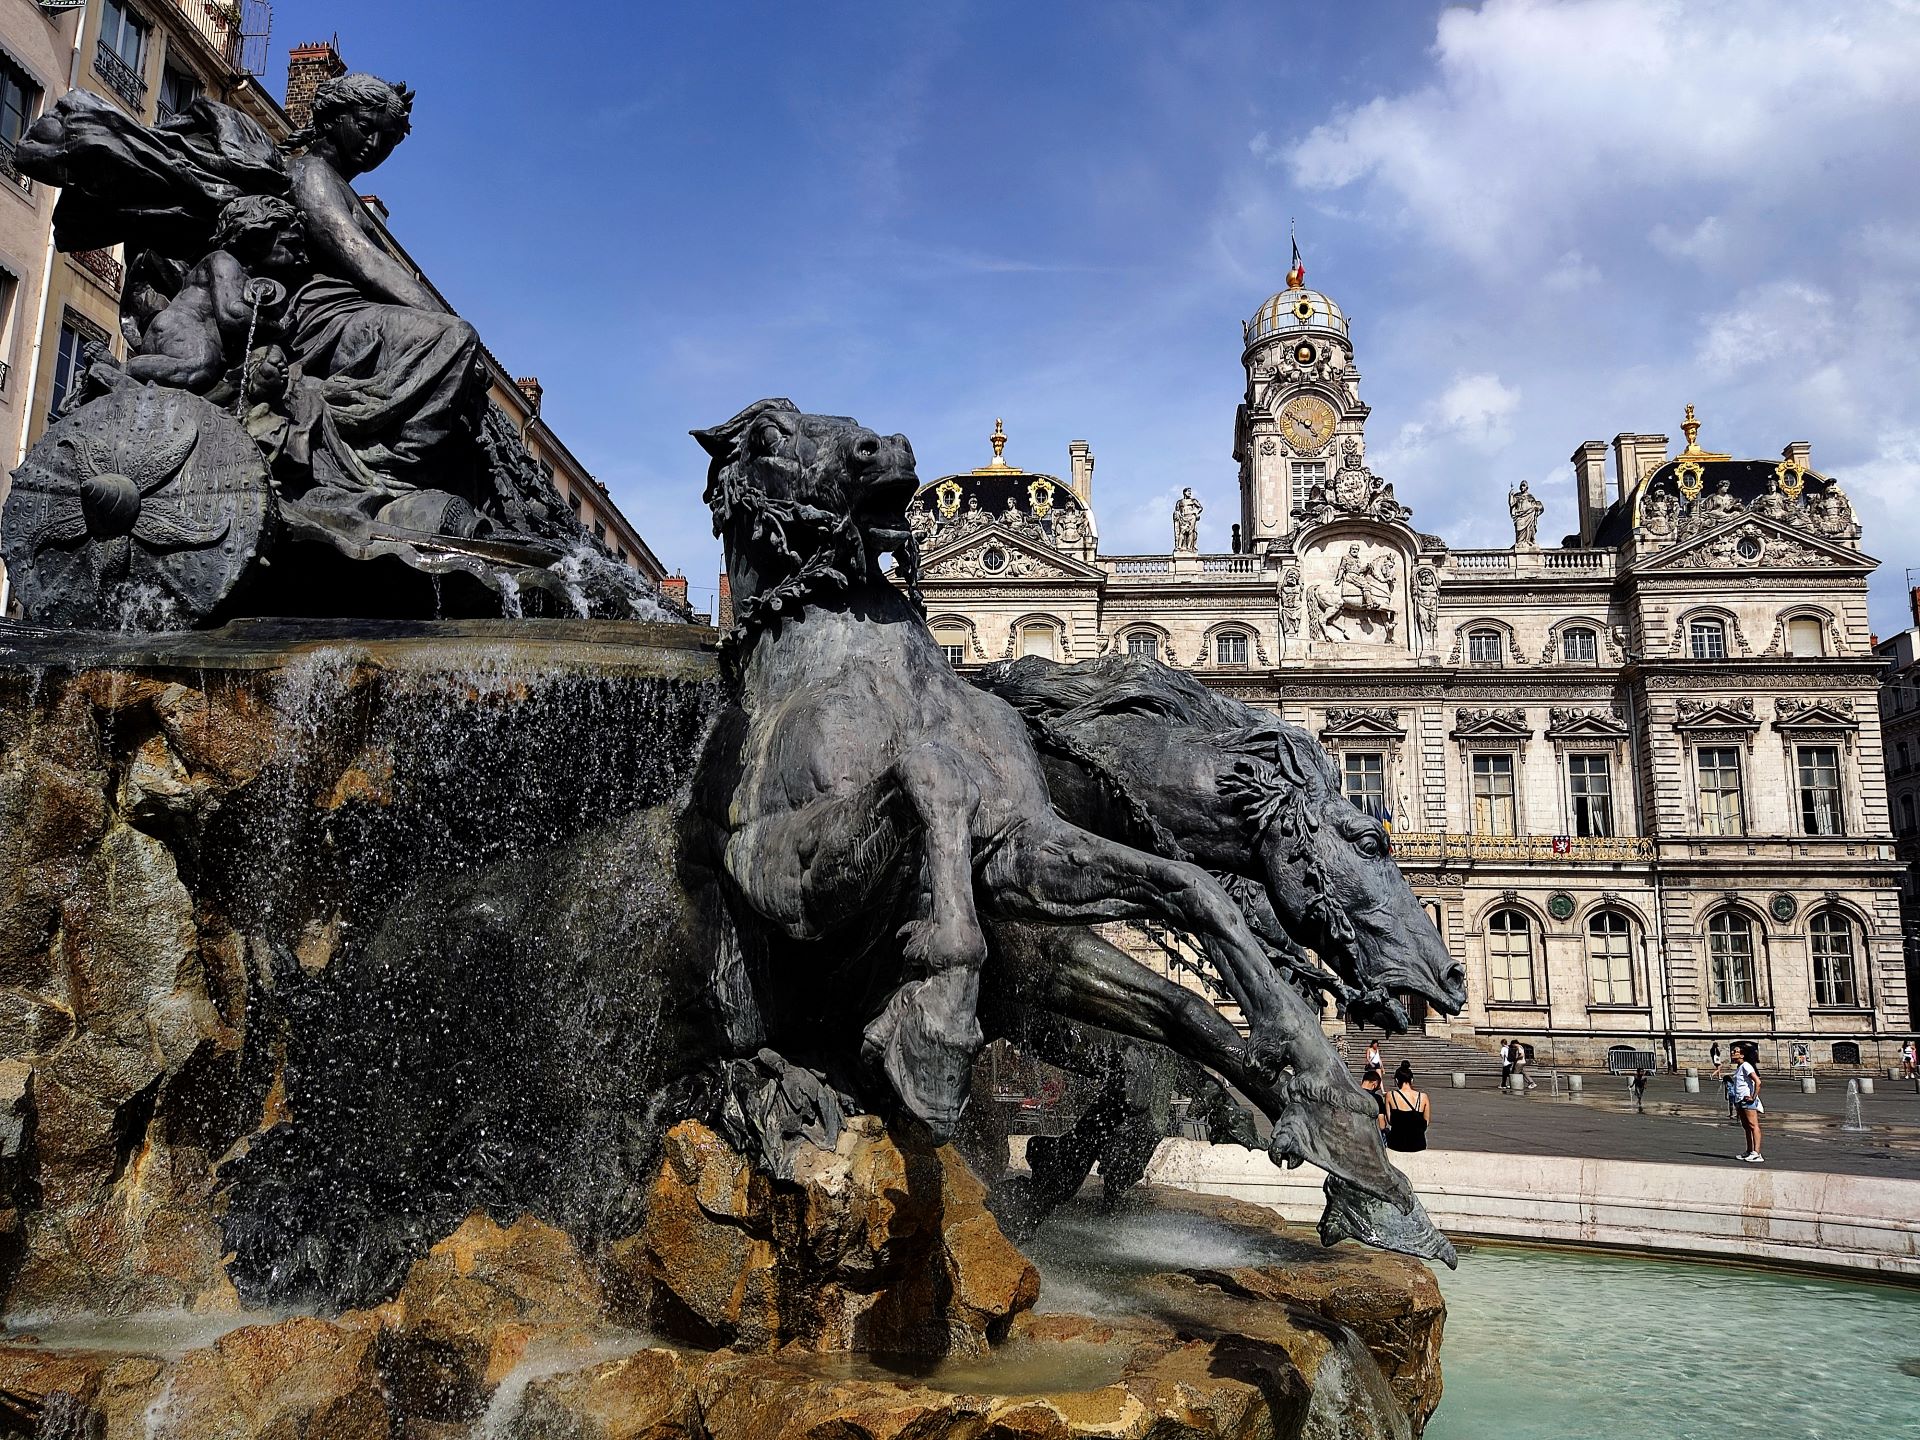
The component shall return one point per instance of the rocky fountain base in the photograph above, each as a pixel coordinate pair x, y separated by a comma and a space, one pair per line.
335, 1100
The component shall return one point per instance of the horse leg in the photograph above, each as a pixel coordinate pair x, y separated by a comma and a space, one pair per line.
1072, 972
817, 867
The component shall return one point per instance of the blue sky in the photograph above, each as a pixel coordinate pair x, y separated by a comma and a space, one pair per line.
1549, 223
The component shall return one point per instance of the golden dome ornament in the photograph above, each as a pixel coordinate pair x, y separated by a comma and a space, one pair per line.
1040, 498
946, 495
1790, 477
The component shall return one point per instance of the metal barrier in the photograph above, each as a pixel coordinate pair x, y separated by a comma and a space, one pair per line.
1622, 1061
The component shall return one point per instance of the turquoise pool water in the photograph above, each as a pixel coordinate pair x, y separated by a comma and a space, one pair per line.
1549, 1345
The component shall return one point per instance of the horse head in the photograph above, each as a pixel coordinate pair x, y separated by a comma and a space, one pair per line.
1330, 873
805, 504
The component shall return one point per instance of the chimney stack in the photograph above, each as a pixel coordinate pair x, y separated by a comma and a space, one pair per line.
529, 386
723, 604
1080, 469
307, 67
1913, 603
1590, 486
1635, 456
673, 589
1798, 452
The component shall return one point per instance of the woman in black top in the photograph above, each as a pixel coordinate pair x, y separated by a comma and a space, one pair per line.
1408, 1111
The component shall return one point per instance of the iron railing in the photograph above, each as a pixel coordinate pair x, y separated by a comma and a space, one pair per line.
10, 167
1437, 845
102, 266
122, 77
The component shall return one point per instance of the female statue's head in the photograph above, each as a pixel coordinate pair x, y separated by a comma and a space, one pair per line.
358, 120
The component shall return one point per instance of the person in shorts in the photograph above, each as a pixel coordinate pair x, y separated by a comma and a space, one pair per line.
1744, 1087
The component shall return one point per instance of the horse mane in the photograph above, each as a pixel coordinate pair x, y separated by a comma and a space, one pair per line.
824, 553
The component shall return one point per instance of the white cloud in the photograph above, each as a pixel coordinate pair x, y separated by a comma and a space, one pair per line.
1573, 272
1705, 243
1540, 116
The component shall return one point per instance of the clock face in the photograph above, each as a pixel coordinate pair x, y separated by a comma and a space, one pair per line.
1307, 421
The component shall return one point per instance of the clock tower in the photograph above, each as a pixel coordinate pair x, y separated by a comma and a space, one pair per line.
1302, 405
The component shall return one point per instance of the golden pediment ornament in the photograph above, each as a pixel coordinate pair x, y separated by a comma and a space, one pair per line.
947, 496
1691, 476
1791, 478
1040, 498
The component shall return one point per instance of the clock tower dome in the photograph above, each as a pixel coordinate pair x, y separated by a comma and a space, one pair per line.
1302, 404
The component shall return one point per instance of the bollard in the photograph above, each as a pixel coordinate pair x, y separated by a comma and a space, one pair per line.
1866, 1085
1693, 1082
1459, 1080
1806, 1085
1575, 1084
1693, 1073
1517, 1084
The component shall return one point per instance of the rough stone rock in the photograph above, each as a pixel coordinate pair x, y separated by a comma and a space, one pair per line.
301, 1377
1392, 1303
870, 1247
472, 1307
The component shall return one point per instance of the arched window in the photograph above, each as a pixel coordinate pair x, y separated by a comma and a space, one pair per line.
1707, 640
1484, 647
1806, 636
952, 640
1230, 648
1579, 643
1846, 1052
1037, 638
1735, 977
1830, 937
1510, 957
1610, 958
1143, 645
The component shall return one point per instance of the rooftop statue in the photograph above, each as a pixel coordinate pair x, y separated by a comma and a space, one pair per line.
881, 836
294, 397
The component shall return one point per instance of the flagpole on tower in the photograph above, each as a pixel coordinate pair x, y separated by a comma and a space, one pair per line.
1297, 276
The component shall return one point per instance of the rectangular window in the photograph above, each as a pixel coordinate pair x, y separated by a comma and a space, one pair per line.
68, 362
1805, 637
1590, 787
953, 645
123, 30
1820, 790
1735, 979
1036, 640
1509, 958
19, 98
1483, 647
1610, 959
1832, 940
1364, 778
599, 529
1493, 795
1580, 645
1720, 809
1230, 649
1146, 647
178, 90
1302, 476
573, 502
1707, 640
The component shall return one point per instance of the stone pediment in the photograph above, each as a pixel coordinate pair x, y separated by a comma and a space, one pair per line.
1727, 713
1813, 712
1497, 724
1596, 723
1752, 542
992, 552
1363, 722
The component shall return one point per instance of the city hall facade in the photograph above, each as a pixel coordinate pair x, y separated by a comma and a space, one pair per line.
1635, 777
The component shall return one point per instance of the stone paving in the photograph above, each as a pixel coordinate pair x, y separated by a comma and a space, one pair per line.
1801, 1132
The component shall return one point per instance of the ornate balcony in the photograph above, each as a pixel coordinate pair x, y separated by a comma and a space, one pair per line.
124, 80
10, 170
1445, 847
102, 266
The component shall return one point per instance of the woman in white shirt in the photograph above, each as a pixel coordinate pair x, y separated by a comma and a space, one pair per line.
1746, 1099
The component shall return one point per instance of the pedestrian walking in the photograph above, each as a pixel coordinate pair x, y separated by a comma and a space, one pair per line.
1408, 1112
1506, 1062
1520, 1066
1373, 1055
1910, 1064
1745, 1085
1637, 1087
1716, 1057
1725, 1077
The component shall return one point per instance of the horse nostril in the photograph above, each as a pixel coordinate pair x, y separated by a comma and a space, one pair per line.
868, 448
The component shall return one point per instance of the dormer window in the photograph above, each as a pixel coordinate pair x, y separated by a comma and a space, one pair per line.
1483, 647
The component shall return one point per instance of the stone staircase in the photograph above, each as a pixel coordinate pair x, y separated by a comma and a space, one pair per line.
1432, 1057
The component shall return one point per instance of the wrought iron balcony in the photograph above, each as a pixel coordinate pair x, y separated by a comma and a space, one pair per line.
102, 266
6, 374
10, 169
124, 79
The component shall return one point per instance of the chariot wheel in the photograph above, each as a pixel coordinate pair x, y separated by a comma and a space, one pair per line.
140, 510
